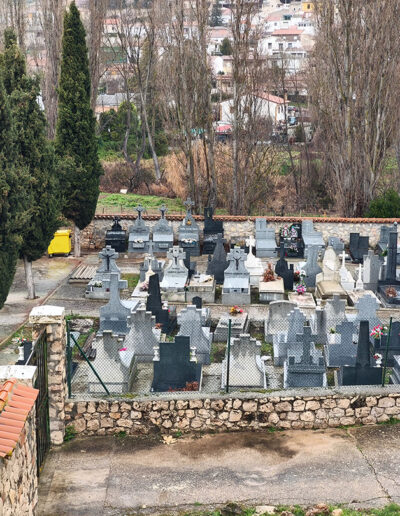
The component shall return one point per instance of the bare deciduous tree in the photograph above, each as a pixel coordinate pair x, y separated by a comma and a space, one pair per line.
97, 14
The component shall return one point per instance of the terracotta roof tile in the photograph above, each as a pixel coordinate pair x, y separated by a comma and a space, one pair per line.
16, 401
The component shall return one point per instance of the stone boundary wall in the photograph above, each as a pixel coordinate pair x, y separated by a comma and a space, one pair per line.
238, 228
232, 413
18, 475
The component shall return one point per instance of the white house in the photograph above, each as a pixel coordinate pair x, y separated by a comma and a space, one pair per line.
265, 104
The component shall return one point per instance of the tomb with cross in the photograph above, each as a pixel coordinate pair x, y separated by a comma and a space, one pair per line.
305, 365
175, 276
265, 240
116, 236
99, 286
343, 350
211, 230
139, 234
163, 235
236, 286
188, 232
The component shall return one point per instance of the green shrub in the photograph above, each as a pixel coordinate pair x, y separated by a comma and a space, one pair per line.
385, 206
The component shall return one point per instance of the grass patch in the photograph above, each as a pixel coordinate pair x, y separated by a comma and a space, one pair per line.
151, 202
267, 348
217, 352
25, 332
70, 433
330, 376
132, 279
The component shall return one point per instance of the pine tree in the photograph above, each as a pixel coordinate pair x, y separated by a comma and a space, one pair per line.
13, 197
35, 154
75, 135
216, 14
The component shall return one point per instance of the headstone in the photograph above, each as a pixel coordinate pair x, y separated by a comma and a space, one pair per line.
143, 336
190, 320
366, 311
308, 370
114, 315
236, 287
190, 266
277, 320
188, 232
175, 366
212, 228
389, 287
344, 350
139, 234
362, 373
311, 268
246, 369
253, 264
395, 376
239, 324
393, 348
116, 237
359, 282
99, 286
271, 290
151, 262
165, 317
282, 269
311, 237
384, 238
337, 244
175, 276
265, 240
163, 235
346, 279
203, 285
197, 301
372, 265
358, 247
283, 340
218, 263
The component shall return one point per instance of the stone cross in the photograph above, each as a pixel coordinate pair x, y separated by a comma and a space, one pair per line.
151, 246
306, 339
176, 254
108, 257
343, 259
237, 255
359, 282
251, 242
139, 208
163, 209
189, 205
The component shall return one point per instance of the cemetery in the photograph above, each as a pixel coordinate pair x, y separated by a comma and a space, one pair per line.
289, 309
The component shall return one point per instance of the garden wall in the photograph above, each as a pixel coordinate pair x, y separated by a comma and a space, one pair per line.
238, 228
305, 408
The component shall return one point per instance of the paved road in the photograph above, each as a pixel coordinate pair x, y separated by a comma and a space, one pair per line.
114, 476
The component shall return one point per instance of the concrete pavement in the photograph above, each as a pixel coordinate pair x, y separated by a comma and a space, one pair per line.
120, 476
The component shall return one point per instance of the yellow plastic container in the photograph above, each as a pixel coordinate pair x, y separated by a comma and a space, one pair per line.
61, 243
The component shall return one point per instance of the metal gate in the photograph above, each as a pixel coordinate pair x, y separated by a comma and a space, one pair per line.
38, 358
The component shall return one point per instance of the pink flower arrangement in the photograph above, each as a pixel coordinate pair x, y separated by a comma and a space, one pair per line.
378, 331
236, 310
123, 349
301, 289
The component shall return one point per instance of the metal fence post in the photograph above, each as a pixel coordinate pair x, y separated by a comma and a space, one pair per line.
228, 360
69, 360
386, 352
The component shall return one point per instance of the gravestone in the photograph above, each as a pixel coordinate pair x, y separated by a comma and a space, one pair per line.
151, 262
236, 286
239, 324
175, 276
190, 266
393, 348
163, 235
143, 336
116, 237
389, 287
246, 369
346, 279
358, 247
359, 282
188, 232
344, 351
253, 264
366, 311
99, 286
384, 238
362, 373
308, 370
337, 244
282, 269
175, 365
165, 317
197, 301
311, 237
218, 263
265, 240
333, 313
395, 376
203, 285
270, 291
328, 281
139, 234
114, 315
372, 265
190, 320
284, 339
212, 228
311, 268
277, 320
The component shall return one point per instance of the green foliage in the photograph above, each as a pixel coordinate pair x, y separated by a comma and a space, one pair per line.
35, 153
75, 135
299, 133
226, 47
132, 279
70, 433
216, 14
113, 128
148, 201
385, 206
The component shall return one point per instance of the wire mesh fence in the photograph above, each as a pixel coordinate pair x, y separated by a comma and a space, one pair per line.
287, 351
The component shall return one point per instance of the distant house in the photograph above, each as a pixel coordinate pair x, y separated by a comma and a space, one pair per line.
265, 104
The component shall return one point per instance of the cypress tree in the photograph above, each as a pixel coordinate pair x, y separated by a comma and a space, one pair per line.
35, 154
75, 135
216, 14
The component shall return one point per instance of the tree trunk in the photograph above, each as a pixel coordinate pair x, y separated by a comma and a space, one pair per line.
77, 242
29, 278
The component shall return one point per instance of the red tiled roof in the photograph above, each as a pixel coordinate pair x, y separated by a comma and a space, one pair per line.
16, 401
291, 31
271, 98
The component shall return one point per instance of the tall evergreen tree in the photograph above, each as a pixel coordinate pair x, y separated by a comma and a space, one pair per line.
75, 135
13, 198
35, 154
216, 14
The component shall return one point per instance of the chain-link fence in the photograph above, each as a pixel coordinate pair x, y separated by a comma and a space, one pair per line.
189, 353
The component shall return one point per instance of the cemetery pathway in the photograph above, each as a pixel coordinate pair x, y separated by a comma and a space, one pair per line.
123, 476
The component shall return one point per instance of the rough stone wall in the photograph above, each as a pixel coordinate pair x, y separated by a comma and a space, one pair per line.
241, 227
18, 476
104, 417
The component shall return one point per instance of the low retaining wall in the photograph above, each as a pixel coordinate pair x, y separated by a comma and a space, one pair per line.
18, 476
239, 228
251, 411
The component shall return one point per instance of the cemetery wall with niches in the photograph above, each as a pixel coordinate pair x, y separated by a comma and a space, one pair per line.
238, 228
304, 409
